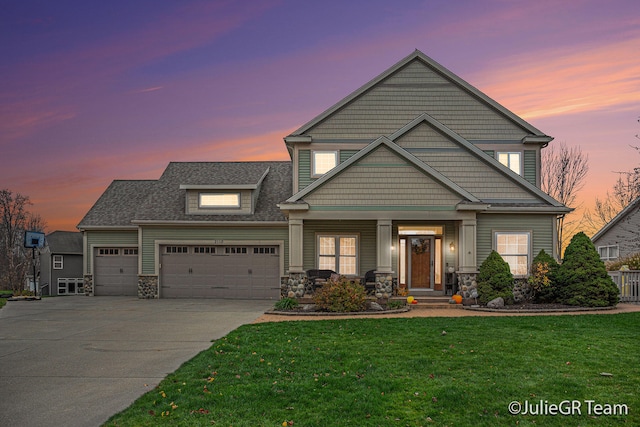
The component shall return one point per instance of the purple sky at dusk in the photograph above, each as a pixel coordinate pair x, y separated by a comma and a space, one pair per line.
96, 91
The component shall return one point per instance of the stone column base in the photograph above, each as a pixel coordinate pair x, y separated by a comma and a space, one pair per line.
148, 287
384, 285
467, 282
295, 285
88, 285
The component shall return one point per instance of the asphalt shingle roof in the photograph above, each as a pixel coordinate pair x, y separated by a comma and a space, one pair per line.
65, 242
163, 200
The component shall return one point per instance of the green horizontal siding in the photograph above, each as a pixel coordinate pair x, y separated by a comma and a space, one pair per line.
151, 234
304, 169
108, 238
346, 154
530, 166
366, 245
541, 227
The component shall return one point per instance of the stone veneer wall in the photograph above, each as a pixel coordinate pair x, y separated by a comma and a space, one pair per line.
384, 285
147, 287
88, 285
295, 285
467, 282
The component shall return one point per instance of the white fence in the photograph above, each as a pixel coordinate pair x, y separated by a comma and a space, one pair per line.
628, 283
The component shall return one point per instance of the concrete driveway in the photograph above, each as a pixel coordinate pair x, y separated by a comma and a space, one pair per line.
75, 361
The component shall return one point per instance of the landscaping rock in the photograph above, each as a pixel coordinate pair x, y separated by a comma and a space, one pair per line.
375, 306
496, 303
309, 308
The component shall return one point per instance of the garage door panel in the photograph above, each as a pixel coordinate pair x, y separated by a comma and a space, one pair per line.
241, 272
115, 273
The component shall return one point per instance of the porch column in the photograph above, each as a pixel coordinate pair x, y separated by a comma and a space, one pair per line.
296, 263
384, 242
468, 246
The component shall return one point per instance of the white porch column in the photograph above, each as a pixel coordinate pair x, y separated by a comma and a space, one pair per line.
296, 263
384, 243
468, 246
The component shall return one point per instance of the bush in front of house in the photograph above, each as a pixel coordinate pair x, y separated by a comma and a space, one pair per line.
341, 296
542, 280
582, 278
286, 304
495, 279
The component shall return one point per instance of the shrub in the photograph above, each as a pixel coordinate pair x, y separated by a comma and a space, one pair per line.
582, 277
542, 280
286, 304
341, 296
631, 261
395, 304
495, 279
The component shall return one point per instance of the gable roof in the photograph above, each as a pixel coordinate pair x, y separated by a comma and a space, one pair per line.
469, 199
478, 153
65, 242
621, 215
417, 55
384, 141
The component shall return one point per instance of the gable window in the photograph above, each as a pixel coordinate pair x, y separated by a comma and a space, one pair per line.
219, 200
515, 248
608, 252
338, 253
511, 160
324, 161
57, 262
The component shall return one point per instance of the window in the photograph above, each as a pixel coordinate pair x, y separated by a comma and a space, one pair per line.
73, 286
176, 250
338, 253
510, 160
514, 247
109, 251
204, 250
608, 252
324, 161
266, 250
219, 200
235, 250
57, 262
130, 251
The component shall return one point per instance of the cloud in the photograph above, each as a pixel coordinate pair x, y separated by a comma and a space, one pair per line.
567, 80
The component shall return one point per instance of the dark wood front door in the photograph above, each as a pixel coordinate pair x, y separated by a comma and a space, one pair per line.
420, 262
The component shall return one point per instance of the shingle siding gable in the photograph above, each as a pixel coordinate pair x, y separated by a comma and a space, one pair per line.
411, 91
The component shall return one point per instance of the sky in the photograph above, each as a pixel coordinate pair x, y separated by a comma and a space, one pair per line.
93, 91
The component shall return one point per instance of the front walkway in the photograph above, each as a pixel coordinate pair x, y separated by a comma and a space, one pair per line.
447, 312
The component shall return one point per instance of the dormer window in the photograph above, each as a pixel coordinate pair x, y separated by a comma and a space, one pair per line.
324, 161
219, 200
511, 160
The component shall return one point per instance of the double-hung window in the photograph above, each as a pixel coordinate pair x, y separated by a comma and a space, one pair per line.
58, 262
608, 252
511, 160
515, 248
338, 253
324, 161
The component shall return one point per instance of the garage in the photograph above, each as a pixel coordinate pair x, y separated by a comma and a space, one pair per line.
115, 271
238, 272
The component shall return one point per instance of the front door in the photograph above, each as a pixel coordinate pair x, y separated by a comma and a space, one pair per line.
420, 261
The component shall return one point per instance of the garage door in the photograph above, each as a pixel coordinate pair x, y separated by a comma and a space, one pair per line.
115, 271
242, 272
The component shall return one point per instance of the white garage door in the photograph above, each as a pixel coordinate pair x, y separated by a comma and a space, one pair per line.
115, 271
241, 272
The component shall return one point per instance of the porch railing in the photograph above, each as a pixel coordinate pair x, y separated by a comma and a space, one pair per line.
628, 283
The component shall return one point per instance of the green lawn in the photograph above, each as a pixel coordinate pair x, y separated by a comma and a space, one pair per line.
405, 372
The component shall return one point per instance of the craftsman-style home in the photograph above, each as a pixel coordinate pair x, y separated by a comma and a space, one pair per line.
412, 180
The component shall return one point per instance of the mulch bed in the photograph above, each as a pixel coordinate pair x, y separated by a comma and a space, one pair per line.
538, 308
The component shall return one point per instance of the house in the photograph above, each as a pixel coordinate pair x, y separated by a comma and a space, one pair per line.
620, 237
413, 178
61, 264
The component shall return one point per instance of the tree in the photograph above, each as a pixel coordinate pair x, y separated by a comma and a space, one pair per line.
495, 279
15, 219
563, 173
582, 278
625, 190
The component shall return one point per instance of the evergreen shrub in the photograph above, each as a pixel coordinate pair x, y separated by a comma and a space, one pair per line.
495, 279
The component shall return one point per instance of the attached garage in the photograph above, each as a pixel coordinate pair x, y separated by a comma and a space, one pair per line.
115, 271
238, 271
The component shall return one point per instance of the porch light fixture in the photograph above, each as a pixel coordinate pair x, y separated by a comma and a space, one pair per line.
452, 247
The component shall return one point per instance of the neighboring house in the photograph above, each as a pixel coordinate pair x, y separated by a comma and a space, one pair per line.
414, 175
620, 237
61, 264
